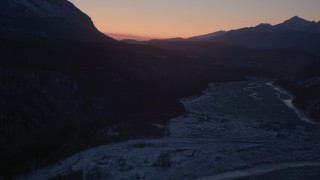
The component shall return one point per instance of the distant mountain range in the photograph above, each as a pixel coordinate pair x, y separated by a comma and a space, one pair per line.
58, 19
295, 33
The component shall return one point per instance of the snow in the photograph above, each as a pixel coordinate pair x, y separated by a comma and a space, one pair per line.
225, 133
258, 170
46, 8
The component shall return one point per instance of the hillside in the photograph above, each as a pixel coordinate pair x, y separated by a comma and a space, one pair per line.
55, 19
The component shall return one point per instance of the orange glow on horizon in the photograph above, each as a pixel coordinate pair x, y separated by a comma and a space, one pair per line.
122, 36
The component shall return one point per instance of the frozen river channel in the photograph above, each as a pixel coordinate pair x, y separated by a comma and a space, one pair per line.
234, 130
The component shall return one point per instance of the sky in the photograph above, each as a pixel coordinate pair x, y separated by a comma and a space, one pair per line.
147, 19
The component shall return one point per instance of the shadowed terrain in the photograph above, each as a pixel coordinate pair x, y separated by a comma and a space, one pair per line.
66, 87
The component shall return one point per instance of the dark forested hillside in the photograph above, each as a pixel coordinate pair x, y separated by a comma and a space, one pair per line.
250, 61
59, 97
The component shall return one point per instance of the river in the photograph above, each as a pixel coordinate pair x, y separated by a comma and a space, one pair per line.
233, 130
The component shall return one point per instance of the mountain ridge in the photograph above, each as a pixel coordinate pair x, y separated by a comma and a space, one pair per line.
57, 19
294, 23
294, 33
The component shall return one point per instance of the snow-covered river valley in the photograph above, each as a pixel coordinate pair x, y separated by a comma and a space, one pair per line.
233, 130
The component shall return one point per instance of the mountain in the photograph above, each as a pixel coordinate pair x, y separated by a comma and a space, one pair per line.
295, 33
296, 23
201, 37
57, 19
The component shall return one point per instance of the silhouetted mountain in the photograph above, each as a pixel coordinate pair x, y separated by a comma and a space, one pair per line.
296, 23
295, 33
57, 19
201, 37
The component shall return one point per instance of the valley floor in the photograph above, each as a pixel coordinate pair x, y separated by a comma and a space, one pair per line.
234, 130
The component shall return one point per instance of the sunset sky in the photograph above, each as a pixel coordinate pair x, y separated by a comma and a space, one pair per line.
145, 19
